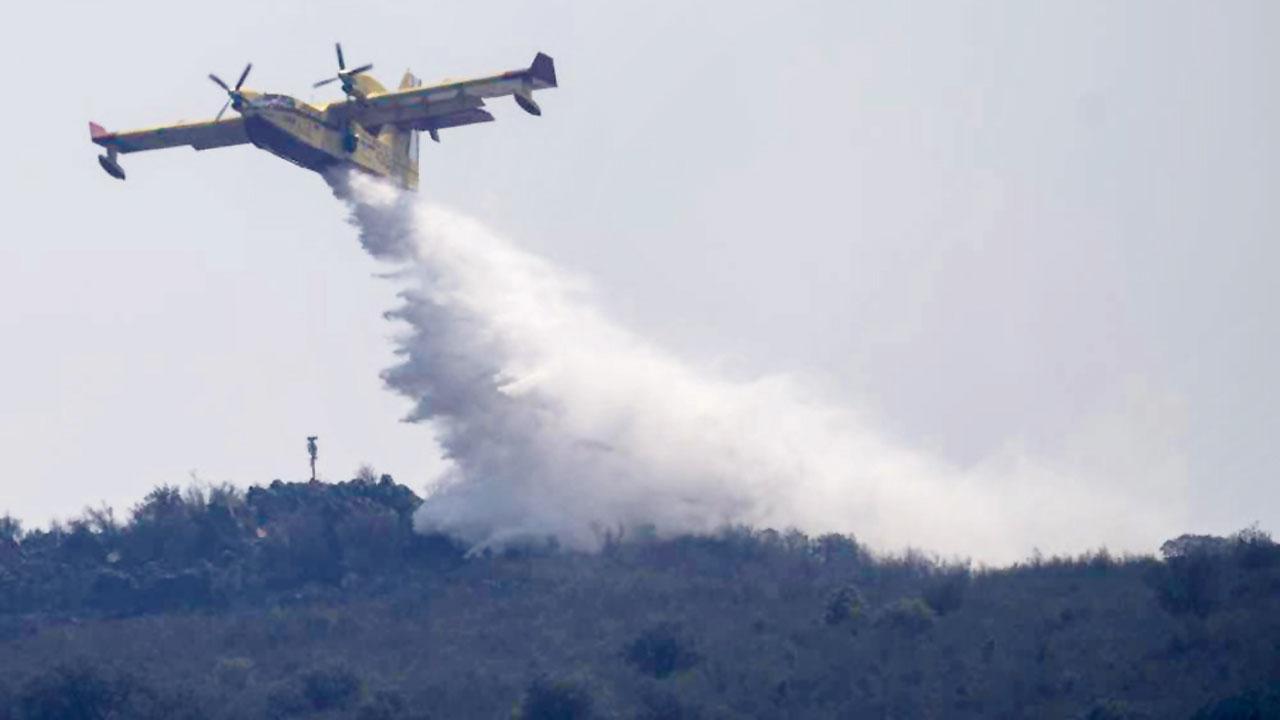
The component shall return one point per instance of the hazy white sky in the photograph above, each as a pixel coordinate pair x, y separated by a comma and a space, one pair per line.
1048, 226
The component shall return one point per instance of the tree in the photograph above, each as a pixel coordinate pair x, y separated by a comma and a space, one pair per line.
1255, 549
844, 605
661, 651
945, 592
10, 529
908, 615
1188, 582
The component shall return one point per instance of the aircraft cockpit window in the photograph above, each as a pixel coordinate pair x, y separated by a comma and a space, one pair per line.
277, 101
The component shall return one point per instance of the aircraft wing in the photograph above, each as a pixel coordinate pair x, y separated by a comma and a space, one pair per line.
199, 135
450, 103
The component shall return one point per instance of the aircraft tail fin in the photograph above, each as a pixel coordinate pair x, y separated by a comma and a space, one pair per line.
404, 143
543, 71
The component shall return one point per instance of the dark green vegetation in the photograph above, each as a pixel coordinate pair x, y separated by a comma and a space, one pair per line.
314, 600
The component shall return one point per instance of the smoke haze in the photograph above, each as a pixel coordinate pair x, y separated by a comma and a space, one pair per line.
557, 422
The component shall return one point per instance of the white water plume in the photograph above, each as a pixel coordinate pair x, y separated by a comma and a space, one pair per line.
557, 422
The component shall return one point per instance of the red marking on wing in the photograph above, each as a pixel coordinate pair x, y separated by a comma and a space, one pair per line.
97, 132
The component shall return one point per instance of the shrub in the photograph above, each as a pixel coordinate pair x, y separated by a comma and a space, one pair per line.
173, 703
1194, 545
102, 521
187, 589
908, 615
1250, 705
665, 706
80, 545
945, 593
1113, 710
300, 548
286, 700
844, 605
555, 700
385, 705
661, 651
1255, 549
832, 548
10, 529
320, 690
330, 688
1100, 561
113, 591
371, 538
234, 672
1188, 583
988, 649
74, 692
161, 528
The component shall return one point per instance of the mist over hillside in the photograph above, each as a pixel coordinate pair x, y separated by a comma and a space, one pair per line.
319, 600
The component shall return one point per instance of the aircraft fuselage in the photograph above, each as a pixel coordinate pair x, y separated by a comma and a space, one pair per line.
308, 137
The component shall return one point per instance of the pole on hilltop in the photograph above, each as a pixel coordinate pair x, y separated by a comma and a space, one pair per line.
313, 451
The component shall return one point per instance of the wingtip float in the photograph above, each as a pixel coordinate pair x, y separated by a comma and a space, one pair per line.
374, 129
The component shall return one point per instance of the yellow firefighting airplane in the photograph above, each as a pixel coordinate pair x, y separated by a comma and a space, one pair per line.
374, 130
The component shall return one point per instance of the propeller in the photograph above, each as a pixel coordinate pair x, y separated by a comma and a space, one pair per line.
344, 75
233, 93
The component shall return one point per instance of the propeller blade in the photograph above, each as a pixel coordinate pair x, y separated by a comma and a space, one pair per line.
322, 83
362, 68
244, 75
341, 64
218, 80
225, 105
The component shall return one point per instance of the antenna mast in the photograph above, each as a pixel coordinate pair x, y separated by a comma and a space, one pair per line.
313, 451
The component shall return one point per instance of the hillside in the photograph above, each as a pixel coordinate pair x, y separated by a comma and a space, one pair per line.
319, 600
